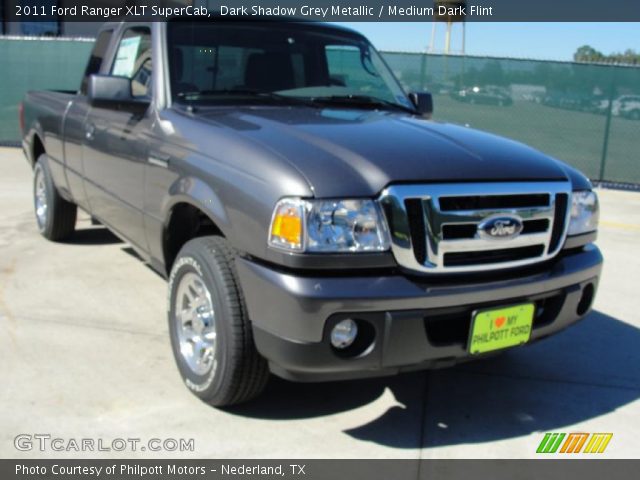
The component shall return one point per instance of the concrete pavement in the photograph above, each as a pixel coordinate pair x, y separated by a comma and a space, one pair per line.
84, 352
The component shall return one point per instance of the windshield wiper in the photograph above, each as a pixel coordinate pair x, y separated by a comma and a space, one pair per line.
199, 94
363, 100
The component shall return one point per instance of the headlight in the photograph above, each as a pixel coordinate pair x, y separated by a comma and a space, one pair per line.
584, 213
332, 226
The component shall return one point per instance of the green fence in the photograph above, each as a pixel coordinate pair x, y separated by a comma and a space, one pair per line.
587, 115
33, 64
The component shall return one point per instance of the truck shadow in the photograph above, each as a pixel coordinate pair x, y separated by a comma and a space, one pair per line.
93, 236
589, 370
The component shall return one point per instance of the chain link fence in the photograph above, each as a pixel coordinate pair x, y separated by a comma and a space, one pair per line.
587, 115
36, 63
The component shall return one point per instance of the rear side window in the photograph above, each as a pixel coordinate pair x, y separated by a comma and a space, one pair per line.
96, 58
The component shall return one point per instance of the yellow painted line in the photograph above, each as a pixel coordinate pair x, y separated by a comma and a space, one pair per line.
598, 438
623, 226
595, 447
606, 442
590, 444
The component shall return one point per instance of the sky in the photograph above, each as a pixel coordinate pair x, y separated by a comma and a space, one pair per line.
544, 41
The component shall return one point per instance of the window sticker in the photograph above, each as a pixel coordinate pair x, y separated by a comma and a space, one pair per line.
126, 57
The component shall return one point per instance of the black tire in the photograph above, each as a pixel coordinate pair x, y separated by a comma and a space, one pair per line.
57, 221
238, 373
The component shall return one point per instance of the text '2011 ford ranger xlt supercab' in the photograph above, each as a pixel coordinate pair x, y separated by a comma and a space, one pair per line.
311, 219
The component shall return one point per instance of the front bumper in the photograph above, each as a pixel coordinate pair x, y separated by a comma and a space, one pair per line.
414, 323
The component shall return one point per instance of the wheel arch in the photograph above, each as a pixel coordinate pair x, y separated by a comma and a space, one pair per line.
192, 210
37, 148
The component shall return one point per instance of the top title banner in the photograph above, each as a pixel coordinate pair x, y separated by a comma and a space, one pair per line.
327, 10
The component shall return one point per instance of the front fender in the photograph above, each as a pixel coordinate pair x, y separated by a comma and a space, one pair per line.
196, 192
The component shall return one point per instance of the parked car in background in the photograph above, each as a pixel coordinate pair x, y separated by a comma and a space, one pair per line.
627, 106
488, 95
581, 102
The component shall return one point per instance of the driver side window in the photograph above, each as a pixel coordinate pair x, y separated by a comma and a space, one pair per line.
133, 60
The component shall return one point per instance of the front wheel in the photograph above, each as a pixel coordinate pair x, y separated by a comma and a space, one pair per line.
211, 335
55, 216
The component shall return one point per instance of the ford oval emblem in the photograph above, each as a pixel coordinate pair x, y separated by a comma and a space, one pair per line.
500, 227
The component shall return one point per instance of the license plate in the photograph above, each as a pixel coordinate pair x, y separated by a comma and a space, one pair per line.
499, 328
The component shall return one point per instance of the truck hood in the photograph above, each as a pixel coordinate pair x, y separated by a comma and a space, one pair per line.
343, 152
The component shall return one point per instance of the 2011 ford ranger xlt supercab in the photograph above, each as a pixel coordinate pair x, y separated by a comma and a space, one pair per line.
311, 219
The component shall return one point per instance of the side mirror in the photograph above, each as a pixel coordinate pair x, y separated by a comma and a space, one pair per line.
112, 92
423, 101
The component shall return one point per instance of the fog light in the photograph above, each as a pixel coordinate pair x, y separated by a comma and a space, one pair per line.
587, 298
344, 333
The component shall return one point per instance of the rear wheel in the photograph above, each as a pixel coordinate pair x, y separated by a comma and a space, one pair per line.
55, 216
211, 335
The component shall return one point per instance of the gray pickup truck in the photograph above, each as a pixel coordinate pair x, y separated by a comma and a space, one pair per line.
310, 218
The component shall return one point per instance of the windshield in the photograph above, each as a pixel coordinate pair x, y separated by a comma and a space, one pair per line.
251, 62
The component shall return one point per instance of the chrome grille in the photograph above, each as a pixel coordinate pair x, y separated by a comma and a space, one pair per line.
434, 228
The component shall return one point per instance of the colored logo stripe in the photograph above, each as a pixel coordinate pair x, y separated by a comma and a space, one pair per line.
598, 442
550, 443
574, 442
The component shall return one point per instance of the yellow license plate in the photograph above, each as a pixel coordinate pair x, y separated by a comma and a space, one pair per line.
498, 328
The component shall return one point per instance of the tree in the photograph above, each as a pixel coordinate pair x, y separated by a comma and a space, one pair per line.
588, 54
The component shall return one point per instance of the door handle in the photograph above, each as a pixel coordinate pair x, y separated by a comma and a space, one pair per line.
89, 131
158, 159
